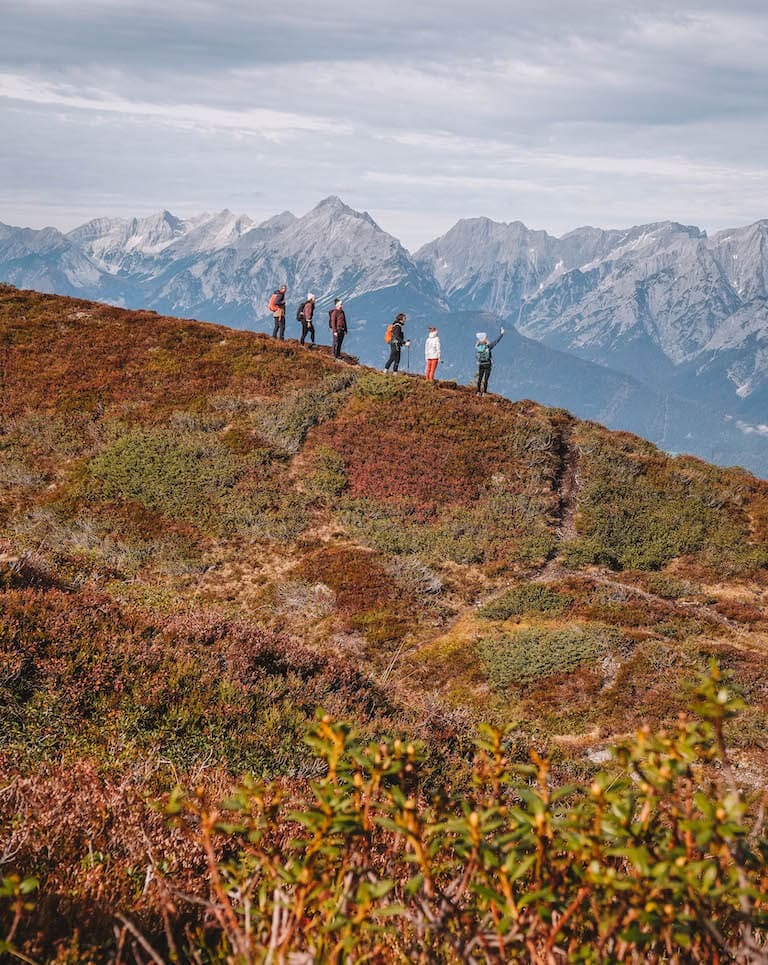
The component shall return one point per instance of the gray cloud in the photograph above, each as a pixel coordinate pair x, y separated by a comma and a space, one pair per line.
556, 113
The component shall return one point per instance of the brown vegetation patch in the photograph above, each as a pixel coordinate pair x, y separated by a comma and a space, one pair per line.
427, 453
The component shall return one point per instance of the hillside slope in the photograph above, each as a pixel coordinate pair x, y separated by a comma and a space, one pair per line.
205, 535
173, 464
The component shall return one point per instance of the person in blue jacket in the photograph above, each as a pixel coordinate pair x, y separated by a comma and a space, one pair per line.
484, 355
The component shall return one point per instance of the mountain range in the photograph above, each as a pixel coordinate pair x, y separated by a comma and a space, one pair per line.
659, 329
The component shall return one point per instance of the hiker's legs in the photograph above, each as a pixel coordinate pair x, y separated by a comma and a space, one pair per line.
394, 357
338, 338
276, 329
431, 366
279, 326
304, 328
311, 332
485, 371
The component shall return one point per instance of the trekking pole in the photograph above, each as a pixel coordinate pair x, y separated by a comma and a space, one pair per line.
408, 357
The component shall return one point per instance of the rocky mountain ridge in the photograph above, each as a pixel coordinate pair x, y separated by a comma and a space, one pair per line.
652, 301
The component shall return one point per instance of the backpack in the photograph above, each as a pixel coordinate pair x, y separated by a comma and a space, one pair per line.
388, 333
330, 318
300, 312
273, 306
483, 352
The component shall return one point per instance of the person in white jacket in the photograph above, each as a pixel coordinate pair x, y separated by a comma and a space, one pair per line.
432, 352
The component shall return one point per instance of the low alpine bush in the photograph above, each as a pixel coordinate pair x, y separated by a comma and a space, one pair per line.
528, 655
527, 598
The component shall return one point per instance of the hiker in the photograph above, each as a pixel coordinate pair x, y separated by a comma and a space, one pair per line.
432, 352
338, 322
304, 315
277, 307
397, 340
484, 354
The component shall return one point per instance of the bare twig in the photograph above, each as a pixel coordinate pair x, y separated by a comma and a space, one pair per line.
159, 960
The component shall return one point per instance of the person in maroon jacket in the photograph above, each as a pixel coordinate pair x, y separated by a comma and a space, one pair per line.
338, 322
306, 313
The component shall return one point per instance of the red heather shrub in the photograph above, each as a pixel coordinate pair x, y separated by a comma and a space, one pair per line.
357, 576
69, 354
429, 451
90, 840
84, 673
366, 593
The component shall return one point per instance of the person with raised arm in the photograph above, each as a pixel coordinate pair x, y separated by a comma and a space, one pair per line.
484, 356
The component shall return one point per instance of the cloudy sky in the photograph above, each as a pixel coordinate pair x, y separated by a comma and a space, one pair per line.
604, 112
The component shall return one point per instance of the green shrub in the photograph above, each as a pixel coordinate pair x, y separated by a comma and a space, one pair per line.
286, 423
629, 866
177, 475
326, 478
262, 508
528, 655
490, 531
384, 528
670, 587
641, 510
374, 385
526, 598
684, 628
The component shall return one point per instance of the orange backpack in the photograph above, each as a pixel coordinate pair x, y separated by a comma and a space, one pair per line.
273, 306
388, 333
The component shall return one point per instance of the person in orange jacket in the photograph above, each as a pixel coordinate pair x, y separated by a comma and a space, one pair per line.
277, 307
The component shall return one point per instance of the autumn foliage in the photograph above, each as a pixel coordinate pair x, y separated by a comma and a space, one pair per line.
206, 535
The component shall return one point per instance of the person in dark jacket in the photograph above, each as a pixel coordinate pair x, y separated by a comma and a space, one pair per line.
397, 342
338, 322
307, 312
277, 306
484, 355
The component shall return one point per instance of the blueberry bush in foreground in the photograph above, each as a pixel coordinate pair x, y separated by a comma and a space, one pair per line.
660, 858
656, 860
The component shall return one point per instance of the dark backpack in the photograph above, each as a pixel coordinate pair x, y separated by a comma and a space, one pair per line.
330, 318
300, 312
483, 352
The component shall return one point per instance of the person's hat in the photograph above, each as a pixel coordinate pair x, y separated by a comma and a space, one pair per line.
310, 297
432, 328
337, 301
481, 336
282, 288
